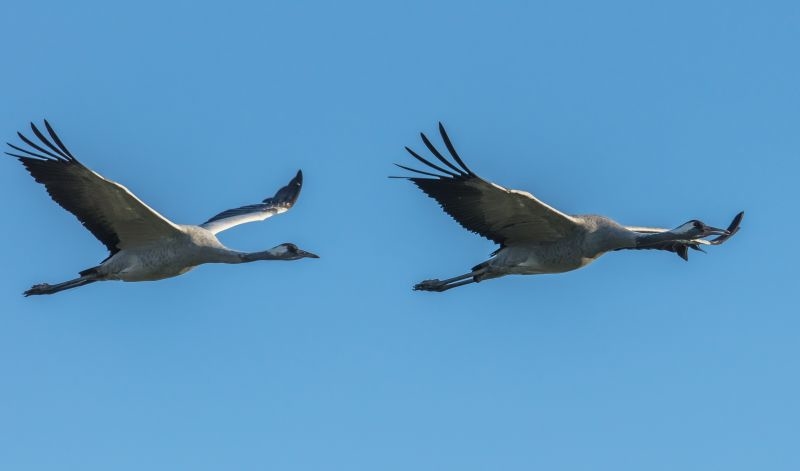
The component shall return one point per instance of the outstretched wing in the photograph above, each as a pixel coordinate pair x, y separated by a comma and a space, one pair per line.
499, 214
682, 247
114, 215
280, 203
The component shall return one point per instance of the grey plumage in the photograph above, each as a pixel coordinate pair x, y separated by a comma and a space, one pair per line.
534, 237
143, 245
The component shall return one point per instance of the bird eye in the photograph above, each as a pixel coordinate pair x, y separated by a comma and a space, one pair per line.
698, 225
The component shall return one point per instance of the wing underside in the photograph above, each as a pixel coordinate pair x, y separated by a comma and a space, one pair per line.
283, 200
114, 215
490, 210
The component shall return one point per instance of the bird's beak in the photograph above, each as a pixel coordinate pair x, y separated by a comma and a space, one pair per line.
709, 231
305, 254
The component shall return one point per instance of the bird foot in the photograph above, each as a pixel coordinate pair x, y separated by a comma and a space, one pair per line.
430, 285
41, 288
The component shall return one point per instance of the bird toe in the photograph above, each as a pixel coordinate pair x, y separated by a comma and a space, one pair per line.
37, 289
428, 285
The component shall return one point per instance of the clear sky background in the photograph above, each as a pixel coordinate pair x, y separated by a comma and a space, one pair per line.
652, 113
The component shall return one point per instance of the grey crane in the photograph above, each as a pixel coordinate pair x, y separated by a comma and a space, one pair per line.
143, 244
536, 238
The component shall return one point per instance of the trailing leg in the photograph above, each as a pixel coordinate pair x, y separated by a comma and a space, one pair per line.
478, 273
46, 288
444, 285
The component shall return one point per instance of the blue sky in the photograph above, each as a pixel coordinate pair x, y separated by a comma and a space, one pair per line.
650, 113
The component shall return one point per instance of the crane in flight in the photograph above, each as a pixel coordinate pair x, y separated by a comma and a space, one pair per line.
143, 245
536, 238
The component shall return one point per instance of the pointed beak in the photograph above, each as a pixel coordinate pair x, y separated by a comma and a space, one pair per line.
305, 254
709, 231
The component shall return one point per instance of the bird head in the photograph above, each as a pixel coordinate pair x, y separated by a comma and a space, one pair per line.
695, 229
289, 251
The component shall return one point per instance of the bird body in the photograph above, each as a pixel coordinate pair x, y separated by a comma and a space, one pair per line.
143, 245
534, 237
592, 237
168, 257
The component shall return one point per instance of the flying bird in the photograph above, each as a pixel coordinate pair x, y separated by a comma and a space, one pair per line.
143, 245
536, 238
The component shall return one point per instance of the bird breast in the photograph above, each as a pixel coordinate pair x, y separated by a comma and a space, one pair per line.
164, 259
556, 257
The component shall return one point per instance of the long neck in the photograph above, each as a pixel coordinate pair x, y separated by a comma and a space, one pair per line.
603, 234
263, 255
208, 249
644, 240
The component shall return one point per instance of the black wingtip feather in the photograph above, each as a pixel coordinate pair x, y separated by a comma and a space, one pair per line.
57, 140
298, 179
437, 154
422, 172
47, 142
57, 151
452, 149
430, 164
30, 154
37, 147
733, 228
451, 171
289, 193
